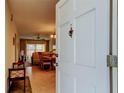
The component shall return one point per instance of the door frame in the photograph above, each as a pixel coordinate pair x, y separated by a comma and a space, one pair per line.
115, 43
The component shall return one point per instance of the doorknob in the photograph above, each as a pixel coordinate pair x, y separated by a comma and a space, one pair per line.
56, 64
56, 55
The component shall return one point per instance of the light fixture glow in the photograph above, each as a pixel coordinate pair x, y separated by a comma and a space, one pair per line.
53, 36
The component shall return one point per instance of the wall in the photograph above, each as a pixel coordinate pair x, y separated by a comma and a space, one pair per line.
51, 43
10, 31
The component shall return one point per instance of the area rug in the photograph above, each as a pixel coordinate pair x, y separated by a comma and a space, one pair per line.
18, 86
27, 64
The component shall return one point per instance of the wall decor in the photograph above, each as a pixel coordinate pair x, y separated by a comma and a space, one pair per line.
13, 40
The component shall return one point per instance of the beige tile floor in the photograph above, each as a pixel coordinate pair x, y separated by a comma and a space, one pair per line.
41, 81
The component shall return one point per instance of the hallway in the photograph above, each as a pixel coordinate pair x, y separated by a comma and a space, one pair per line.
42, 81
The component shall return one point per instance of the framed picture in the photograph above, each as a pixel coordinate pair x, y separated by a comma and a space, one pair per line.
13, 40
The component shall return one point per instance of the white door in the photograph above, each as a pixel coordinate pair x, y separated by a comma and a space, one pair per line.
82, 66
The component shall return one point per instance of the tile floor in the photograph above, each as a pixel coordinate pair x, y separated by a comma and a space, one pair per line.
41, 81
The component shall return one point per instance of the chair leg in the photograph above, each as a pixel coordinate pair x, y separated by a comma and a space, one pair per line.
24, 85
9, 87
43, 67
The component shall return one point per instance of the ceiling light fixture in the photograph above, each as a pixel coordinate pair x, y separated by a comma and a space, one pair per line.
38, 36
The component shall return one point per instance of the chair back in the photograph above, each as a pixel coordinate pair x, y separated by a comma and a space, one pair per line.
16, 73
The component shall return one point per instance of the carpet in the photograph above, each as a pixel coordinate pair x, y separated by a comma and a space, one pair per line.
18, 86
28, 64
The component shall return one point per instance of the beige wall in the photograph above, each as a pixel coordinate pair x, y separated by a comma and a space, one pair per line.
10, 31
51, 43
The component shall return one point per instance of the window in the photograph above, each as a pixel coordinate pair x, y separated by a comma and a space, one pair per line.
34, 48
40, 47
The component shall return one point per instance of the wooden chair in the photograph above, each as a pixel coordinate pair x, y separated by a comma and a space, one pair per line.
45, 62
19, 65
16, 74
53, 62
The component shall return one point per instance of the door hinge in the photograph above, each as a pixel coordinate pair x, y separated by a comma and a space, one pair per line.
112, 61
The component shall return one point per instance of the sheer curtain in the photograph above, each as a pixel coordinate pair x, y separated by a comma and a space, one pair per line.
34, 48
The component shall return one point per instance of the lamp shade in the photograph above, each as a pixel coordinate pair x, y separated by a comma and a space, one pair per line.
53, 36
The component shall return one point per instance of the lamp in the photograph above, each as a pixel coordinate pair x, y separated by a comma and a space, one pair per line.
53, 35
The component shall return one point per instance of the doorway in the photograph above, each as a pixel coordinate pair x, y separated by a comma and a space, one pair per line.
82, 43
35, 21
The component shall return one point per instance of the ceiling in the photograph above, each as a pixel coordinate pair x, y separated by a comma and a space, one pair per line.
33, 17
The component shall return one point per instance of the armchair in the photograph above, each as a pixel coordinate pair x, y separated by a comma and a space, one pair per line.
16, 74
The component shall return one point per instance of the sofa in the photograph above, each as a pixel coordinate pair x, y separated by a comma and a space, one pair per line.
37, 57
